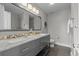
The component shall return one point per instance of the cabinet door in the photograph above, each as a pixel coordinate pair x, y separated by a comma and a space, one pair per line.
12, 52
45, 40
1, 54
28, 48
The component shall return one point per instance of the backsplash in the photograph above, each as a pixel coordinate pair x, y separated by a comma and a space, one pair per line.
10, 35
13, 32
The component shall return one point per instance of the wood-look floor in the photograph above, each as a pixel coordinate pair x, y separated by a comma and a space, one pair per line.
59, 51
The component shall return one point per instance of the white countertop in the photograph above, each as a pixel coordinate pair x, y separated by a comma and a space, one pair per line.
7, 44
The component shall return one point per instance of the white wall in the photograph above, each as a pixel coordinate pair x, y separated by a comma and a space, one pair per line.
57, 26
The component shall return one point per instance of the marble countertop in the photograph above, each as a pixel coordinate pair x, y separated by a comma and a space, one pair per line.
7, 44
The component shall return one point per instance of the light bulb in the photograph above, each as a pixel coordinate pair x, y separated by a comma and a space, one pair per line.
30, 6
34, 9
24, 4
51, 3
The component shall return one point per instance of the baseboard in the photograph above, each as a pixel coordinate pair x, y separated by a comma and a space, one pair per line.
63, 45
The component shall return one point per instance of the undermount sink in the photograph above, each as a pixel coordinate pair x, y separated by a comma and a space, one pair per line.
20, 39
15, 40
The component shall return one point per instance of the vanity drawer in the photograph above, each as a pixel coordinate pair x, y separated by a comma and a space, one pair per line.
33, 52
31, 44
28, 47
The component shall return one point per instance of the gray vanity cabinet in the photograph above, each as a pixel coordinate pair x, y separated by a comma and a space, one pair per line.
31, 48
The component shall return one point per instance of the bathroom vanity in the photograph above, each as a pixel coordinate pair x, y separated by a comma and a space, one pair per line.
24, 46
16, 18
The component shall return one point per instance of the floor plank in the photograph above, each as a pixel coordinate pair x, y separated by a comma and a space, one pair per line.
59, 51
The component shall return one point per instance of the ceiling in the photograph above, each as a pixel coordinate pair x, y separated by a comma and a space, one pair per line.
47, 8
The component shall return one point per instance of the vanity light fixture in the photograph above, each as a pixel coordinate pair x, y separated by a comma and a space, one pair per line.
30, 7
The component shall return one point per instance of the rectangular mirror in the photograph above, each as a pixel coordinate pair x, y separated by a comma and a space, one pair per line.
34, 22
13, 17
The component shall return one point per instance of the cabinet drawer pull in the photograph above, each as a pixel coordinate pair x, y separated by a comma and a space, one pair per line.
25, 49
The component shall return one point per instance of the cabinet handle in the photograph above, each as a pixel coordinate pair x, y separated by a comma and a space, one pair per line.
25, 49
